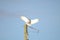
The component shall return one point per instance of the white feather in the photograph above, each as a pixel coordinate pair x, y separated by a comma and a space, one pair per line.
34, 21
24, 19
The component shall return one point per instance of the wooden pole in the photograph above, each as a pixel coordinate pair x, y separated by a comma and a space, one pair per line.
25, 32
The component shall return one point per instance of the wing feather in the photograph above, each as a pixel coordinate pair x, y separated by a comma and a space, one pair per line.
24, 19
34, 21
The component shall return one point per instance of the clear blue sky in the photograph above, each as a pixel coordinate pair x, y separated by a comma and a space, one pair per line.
48, 11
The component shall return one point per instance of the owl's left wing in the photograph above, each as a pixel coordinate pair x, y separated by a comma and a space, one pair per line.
34, 21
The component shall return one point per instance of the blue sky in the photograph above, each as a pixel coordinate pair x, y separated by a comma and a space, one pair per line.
48, 11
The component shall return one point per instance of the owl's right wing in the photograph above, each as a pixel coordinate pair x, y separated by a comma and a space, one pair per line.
24, 19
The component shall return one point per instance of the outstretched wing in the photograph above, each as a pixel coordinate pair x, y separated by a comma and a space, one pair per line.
34, 21
24, 19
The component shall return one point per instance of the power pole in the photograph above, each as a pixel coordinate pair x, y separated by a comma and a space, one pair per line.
25, 32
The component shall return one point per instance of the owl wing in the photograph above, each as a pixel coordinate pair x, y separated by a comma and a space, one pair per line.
24, 19
34, 21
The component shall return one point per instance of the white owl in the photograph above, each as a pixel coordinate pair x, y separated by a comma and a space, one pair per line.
28, 21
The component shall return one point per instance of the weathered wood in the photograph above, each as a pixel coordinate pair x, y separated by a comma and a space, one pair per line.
25, 32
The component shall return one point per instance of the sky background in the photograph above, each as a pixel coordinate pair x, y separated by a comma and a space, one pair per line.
12, 27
